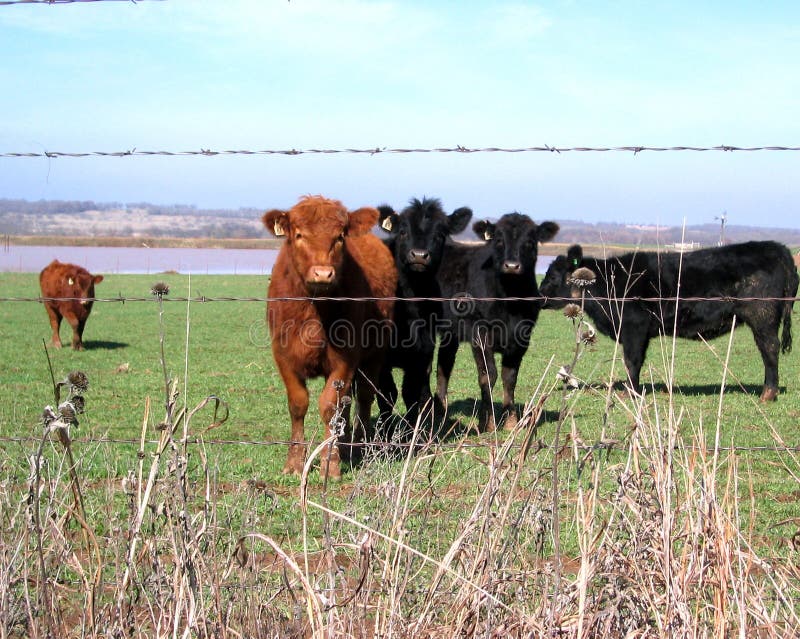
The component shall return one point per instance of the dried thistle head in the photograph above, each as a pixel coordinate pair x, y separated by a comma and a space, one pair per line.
572, 311
160, 289
48, 416
582, 277
68, 412
79, 404
588, 336
78, 381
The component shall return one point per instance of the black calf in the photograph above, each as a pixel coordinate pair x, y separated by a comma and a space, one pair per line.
505, 266
419, 234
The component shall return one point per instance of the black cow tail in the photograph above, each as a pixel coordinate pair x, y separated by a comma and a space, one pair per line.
793, 282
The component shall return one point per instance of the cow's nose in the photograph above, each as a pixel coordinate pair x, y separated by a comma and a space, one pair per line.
322, 274
512, 267
419, 256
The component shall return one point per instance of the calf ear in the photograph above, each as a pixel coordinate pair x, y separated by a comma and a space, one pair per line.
457, 221
575, 254
361, 221
546, 231
484, 229
98, 279
277, 222
388, 218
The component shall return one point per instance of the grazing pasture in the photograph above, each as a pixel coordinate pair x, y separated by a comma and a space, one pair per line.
605, 499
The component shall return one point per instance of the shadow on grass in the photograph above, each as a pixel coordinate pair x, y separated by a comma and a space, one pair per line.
697, 390
104, 345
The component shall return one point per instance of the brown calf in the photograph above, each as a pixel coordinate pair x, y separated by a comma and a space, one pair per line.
328, 253
59, 280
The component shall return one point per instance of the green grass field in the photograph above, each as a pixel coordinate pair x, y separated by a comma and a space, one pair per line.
228, 356
225, 354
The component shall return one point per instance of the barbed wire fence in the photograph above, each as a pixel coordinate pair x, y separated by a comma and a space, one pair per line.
10, 2
635, 150
459, 299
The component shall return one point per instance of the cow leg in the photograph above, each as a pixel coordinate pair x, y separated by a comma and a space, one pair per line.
634, 348
333, 405
297, 396
769, 347
363, 433
77, 333
487, 376
448, 348
55, 323
417, 393
387, 398
508, 374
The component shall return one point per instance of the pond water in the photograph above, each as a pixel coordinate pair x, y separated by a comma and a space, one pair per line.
142, 260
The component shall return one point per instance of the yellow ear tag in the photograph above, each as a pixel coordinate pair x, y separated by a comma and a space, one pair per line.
487, 236
386, 225
278, 229
70, 281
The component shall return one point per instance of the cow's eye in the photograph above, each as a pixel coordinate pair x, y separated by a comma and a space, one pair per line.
340, 239
298, 236
403, 233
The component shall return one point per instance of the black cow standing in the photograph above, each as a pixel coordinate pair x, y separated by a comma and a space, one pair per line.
749, 270
505, 266
418, 235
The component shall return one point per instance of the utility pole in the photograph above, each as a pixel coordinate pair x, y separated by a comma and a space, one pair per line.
722, 219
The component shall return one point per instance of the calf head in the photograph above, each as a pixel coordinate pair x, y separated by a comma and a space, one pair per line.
420, 231
556, 282
80, 285
514, 241
315, 230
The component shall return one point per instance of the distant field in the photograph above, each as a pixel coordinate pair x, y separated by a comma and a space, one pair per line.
234, 467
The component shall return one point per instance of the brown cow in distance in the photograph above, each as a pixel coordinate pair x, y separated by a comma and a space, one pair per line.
60, 280
329, 253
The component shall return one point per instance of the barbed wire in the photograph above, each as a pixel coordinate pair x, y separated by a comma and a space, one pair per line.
441, 446
460, 299
7, 2
378, 150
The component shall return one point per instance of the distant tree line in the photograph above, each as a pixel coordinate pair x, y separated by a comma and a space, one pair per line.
53, 207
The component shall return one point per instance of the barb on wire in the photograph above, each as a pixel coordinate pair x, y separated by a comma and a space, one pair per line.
636, 150
7, 2
536, 298
444, 445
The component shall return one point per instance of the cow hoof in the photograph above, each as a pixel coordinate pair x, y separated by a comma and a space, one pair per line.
331, 473
769, 395
511, 422
291, 470
56, 344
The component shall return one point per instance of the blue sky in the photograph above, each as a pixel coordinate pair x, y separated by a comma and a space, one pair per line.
271, 74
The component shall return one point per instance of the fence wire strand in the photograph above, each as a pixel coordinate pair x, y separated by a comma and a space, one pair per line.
201, 299
442, 446
8, 2
388, 150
